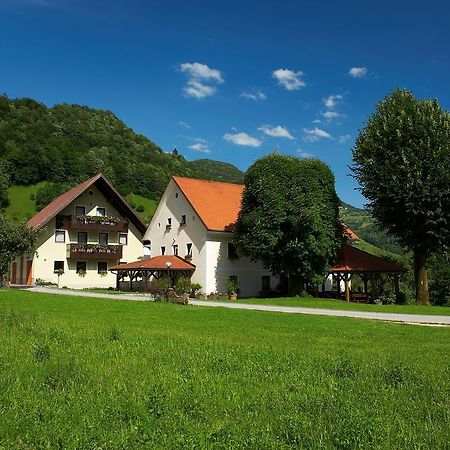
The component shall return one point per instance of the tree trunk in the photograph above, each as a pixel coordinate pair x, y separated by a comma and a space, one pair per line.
296, 285
421, 278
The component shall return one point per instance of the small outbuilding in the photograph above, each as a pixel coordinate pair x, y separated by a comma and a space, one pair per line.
138, 274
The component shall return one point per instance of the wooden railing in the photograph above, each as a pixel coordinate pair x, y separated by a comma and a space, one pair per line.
97, 223
94, 251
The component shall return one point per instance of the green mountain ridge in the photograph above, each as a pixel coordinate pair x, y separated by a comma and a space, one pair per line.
70, 143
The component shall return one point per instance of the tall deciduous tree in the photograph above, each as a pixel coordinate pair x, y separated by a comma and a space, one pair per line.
402, 161
4, 184
289, 218
14, 240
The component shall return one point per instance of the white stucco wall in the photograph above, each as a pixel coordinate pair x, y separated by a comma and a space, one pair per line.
48, 251
209, 249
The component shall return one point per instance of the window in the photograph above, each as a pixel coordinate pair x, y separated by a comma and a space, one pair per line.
189, 249
169, 222
102, 267
101, 211
175, 249
82, 237
123, 238
81, 266
80, 210
265, 283
232, 253
60, 221
58, 266
183, 219
103, 238
163, 250
60, 236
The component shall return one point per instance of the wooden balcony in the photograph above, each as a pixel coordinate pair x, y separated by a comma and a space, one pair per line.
97, 223
94, 251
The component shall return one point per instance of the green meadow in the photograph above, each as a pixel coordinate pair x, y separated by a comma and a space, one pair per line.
109, 374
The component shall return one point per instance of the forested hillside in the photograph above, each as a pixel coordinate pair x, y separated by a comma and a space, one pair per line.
363, 224
69, 143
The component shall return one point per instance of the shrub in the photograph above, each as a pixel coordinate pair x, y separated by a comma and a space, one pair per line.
232, 286
159, 288
140, 208
183, 285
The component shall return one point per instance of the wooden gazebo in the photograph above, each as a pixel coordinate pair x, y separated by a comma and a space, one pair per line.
353, 261
170, 266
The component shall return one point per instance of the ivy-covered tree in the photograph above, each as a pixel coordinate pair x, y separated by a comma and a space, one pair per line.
14, 240
290, 218
402, 162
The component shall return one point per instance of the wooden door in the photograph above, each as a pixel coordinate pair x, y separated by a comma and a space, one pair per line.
29, 272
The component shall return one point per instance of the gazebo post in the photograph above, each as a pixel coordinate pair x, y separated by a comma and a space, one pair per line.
338, 277
117, 281
396, 285
372, 287
347, 287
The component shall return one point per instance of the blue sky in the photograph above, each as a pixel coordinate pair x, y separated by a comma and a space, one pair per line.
230, 80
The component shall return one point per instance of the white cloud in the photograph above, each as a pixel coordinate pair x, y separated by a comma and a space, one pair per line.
277, 131
198, 90
344, 138
289, 79
316, 121
200, 78
331, 101
253, 95
313, 135
201, 72
184, 125
303, 154
200, 147
330, 115
358, 72
242, 139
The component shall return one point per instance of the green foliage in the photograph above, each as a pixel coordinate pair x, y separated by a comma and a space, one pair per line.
219, 171
21, 202
363, 224
182, 285
48, 192
290, 218
15, 240
70, 143
402, 161
232, 286
140, 208
79, 373
4, 184
439, 265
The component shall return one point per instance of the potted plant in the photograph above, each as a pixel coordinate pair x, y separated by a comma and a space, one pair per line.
59, 272
232, 288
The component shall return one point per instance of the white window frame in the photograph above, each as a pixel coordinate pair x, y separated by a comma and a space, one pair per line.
63, 234
126, 238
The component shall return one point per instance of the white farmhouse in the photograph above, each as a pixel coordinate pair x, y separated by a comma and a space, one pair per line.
81, 234
194, 220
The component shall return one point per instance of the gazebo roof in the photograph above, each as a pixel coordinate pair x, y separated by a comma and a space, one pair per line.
157, 263
352, 259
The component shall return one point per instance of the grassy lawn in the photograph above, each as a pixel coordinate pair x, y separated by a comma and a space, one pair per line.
149, 206
341, 304
92, 373
21, 206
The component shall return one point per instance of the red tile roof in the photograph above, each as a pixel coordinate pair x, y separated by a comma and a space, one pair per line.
157, 263
352, 259
56, 206
349, 233
216, 203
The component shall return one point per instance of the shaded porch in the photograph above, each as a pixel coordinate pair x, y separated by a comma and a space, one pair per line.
137, 275
373, 271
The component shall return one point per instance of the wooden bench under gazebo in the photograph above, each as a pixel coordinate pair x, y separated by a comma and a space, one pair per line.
144, 270
370, 268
